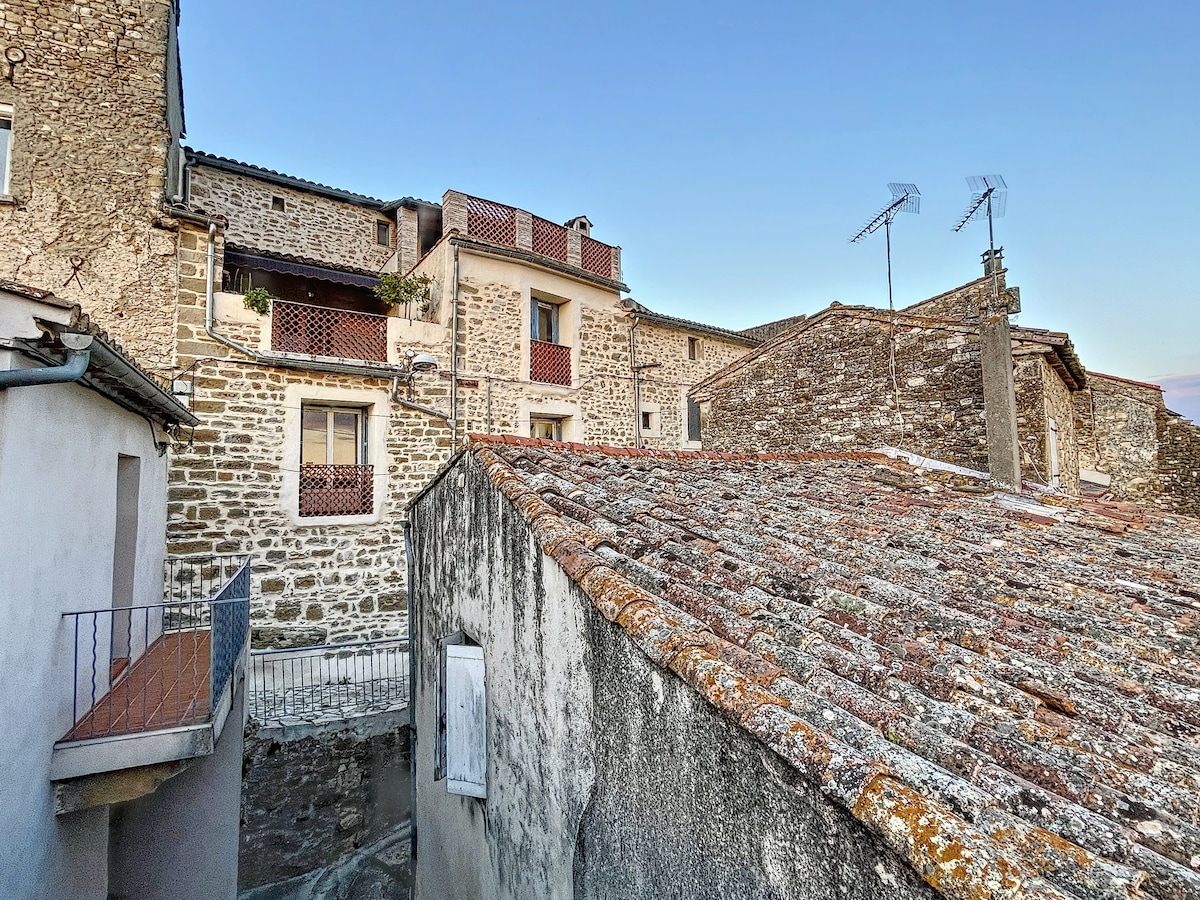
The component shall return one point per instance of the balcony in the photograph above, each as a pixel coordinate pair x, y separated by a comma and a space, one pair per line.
323, 331
153, 684
549, 363
515, 228
336, 490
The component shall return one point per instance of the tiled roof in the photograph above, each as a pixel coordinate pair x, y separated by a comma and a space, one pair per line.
650, 315
1004, 690
237, 167
768, 330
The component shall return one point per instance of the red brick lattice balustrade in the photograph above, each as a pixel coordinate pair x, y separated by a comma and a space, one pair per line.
336, 490
492, 221
549, 239
549, 363
595, 257
321, 331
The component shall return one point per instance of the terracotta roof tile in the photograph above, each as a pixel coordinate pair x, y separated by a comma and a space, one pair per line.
1007, 696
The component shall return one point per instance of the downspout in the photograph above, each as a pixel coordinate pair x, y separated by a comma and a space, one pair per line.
72, 370
412, 707
454, 362
209, 301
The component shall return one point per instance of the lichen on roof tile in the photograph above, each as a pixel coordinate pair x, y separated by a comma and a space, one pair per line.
1007, 695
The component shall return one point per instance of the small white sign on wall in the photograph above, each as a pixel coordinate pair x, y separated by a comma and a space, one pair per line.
466, 721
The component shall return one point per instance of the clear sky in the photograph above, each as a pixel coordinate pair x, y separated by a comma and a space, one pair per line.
732, 149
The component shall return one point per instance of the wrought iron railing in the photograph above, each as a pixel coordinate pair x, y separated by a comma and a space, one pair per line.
329, 679
549, 363
323, 331
336, 490
146, 668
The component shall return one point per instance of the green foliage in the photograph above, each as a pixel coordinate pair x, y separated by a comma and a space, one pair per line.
402, 290
259, 300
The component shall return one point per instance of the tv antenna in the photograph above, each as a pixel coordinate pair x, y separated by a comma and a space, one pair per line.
989, 194
905, 198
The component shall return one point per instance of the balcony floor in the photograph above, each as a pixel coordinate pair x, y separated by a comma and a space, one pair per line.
167, 686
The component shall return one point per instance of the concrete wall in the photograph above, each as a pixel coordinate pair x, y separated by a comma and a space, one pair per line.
314, 795
90, 141
607, 776
310, 225
181, 841
58, 462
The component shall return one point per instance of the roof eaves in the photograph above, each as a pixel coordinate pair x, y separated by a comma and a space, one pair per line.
237, 167
497, 250
638, 310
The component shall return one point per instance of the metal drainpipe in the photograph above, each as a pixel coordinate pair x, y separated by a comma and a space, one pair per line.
412, 707
454, 362
72, 370
209, 302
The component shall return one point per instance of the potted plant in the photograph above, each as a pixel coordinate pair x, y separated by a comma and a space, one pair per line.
404, 290
259, 300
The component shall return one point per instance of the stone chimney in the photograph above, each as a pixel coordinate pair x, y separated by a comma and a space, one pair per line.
999, 388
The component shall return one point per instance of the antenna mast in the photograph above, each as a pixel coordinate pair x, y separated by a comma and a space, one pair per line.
905, 198
988, 193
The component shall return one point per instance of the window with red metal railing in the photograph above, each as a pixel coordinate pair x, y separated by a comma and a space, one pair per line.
492, 221
595, 257
549, 239
336, 490
322, 331
549, 363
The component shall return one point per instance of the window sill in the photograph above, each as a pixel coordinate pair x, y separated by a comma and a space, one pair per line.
364, 519
8, 200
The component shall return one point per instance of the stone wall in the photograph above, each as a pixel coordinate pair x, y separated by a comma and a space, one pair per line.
1118, 434
830, 388
1179, 463
90, 141
1042, 394
313, 796
234, 489
961, 304
312, 226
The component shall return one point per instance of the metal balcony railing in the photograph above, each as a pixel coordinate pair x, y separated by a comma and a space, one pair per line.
549, 363
323, 331
336, 490
335, 679
147, 668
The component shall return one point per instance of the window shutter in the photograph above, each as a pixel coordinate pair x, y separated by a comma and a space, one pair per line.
693, 420
466, 721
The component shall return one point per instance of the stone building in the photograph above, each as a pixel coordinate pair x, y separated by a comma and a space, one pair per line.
697, 674
857, 378
1133, 448
323, 414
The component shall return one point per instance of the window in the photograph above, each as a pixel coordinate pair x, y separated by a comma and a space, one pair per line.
650, 419
460, 751
693, 420
545, 321
278, 204
694, 349
383, 234
548, 428
334, 481
6, 114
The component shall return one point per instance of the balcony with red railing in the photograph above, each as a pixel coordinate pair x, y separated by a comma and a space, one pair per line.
324, 331
508, 226
327, 490
549, 363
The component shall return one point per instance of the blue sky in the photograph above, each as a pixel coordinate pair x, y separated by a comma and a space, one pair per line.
732, 149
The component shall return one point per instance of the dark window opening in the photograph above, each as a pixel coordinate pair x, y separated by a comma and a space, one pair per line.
693, 420
278, 204
383, 234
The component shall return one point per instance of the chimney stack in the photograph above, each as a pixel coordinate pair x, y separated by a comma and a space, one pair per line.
999, 387
993, 261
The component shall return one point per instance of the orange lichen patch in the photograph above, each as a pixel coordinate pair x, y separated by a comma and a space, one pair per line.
1053, 857
750, 665
721, 684
723, 621
612, 593
951, 855
659, 635
551, 531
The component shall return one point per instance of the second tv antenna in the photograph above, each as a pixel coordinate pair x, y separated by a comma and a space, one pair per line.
905, 198
989, 195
